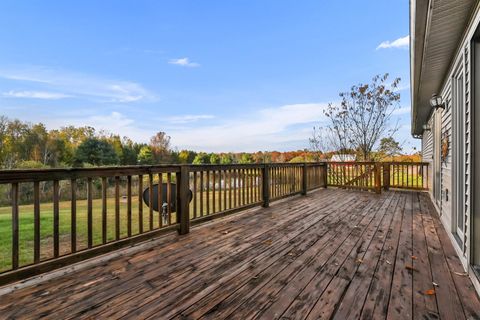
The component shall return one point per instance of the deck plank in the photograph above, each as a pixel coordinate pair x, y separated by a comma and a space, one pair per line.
424, 301
358, 284
465, 289
264, 296
333, 254
302, 293
449, 306
400, 303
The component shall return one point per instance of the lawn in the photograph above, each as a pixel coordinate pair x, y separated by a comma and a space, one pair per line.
26, 224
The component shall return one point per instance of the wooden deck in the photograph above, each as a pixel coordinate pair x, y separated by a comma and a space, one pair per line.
332, 254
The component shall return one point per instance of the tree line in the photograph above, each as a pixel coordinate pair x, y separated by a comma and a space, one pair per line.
27, 145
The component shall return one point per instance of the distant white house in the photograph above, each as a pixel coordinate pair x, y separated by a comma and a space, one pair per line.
343, 157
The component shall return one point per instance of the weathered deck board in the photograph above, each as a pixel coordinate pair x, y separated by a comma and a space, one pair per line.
333, 254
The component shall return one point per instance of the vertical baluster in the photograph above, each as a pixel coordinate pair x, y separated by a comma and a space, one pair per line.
140, 204
36, 222
213, 190
160, 199
117, 208
257, 186
104, 210
276, 182
234, 191
398, 176
15, 237
254, 185
232, 197
229, 174
195, 197
73, 222
150, 197
247, 185
272, 181
89, 213
208, 192
129, 206
224, 190
279, 180
417, 180
297, 180
169, 197
220, 193
56, 217
244, 185
201, 193
408, 174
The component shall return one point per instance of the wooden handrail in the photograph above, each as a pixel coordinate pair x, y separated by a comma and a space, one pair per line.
104, 206
106, 209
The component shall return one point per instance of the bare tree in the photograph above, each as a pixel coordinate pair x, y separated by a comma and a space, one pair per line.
318, 142
363, 116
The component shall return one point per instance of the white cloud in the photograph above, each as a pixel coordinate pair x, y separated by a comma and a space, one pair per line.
35, 95
273, 128
113, 122
283, 128
189, 118
184, 62
79, 84
398, 43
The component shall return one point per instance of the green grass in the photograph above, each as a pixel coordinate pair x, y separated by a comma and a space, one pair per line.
26, 225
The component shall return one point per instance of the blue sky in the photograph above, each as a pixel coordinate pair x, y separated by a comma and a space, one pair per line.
240, 75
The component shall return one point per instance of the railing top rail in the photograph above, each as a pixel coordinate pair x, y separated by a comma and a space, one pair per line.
31, 175
379, 162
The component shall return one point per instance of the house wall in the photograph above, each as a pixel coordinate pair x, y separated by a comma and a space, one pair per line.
461, 63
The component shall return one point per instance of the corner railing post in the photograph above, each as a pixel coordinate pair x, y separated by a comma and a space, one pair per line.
266, 186
378, 178
386, 176
304, 180
325, 174
183, 208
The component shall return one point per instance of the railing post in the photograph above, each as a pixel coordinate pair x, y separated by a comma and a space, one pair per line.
183, 205
386, 176
304, 180
325, 174
266, 186
378, 179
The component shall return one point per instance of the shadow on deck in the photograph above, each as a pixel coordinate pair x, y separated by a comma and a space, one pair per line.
332, 254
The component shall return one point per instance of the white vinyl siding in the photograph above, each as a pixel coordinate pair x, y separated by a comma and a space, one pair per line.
427, 154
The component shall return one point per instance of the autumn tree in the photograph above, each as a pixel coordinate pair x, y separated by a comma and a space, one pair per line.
226, 158
145, 155
363, 115
160, 145
201, 158
389, 148
246, 158
214, 158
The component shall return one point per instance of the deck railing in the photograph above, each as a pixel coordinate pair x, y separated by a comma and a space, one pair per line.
377, 175
54, 217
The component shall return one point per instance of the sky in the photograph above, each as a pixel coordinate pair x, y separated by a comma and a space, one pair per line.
215, 75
